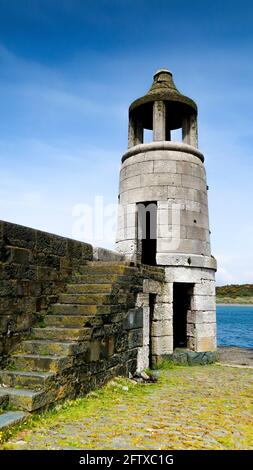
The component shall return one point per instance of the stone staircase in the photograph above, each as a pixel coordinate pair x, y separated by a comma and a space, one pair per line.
49, 364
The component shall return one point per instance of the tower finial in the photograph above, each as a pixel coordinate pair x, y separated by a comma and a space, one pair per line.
162, 71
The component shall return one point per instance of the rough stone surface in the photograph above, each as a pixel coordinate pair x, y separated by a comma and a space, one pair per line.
35, 267
192, 357
191, 408
164, 178
96, 330
11, 418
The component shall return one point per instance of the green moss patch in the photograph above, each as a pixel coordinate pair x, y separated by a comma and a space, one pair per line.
205, 407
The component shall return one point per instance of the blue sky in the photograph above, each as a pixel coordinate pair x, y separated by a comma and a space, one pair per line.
68, 72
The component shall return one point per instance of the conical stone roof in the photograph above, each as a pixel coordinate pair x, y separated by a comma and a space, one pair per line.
163, 89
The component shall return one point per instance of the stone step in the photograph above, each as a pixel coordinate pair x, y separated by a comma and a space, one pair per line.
11, 418
106, 268
35, 362
23, 399
90, 299
88, 288
96, 278
19, 378
50, 348
74, 309
96, 263
72, 321
61, 334
4, 399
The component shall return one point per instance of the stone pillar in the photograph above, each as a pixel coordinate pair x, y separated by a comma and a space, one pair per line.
143, 351
135, 132
131, 132
193, 130
138, 133
185, 130
159, 124
162, 324
201, 319
190, 130
168, 134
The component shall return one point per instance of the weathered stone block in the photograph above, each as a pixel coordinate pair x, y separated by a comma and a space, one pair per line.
206, 287
162, 345
127, 220
198, 233
205, 344
107, 347
135, 338
19, 236
167, 290
205, 330
201, 317
208, 274
151, 287
43, 259
121, 342
140, 168
134, 319
182, 274
94, 349
20, 255
127, 233
146, 325
203, 302
126, 246
195, 358
144, 194
193, 182
143, 358
192, 261
165, 166
164, 216
48, 274
8, 288
189, 168
162, 328
142, 300
5, 253
130, 183
163, 311
28, 271
157, 179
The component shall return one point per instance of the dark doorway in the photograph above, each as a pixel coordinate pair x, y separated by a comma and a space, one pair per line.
147, 231
182, 293
152, 298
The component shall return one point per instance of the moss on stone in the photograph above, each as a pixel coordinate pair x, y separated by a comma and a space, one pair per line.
205, 407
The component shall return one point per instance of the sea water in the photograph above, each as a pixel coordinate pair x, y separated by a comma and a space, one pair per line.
235, 325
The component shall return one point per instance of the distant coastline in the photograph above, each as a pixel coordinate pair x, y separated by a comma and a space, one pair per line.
235, 304
234, 294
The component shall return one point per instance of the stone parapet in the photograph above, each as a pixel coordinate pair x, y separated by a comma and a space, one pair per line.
163, 145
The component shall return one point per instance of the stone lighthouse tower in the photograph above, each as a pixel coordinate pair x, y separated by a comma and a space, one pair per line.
163, 213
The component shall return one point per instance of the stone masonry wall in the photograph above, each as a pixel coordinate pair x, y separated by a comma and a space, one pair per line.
173, 176
34, 268
36, 271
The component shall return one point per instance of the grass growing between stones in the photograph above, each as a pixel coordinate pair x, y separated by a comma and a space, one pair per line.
201, 407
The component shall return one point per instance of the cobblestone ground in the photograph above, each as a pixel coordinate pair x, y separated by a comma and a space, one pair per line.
203, 407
